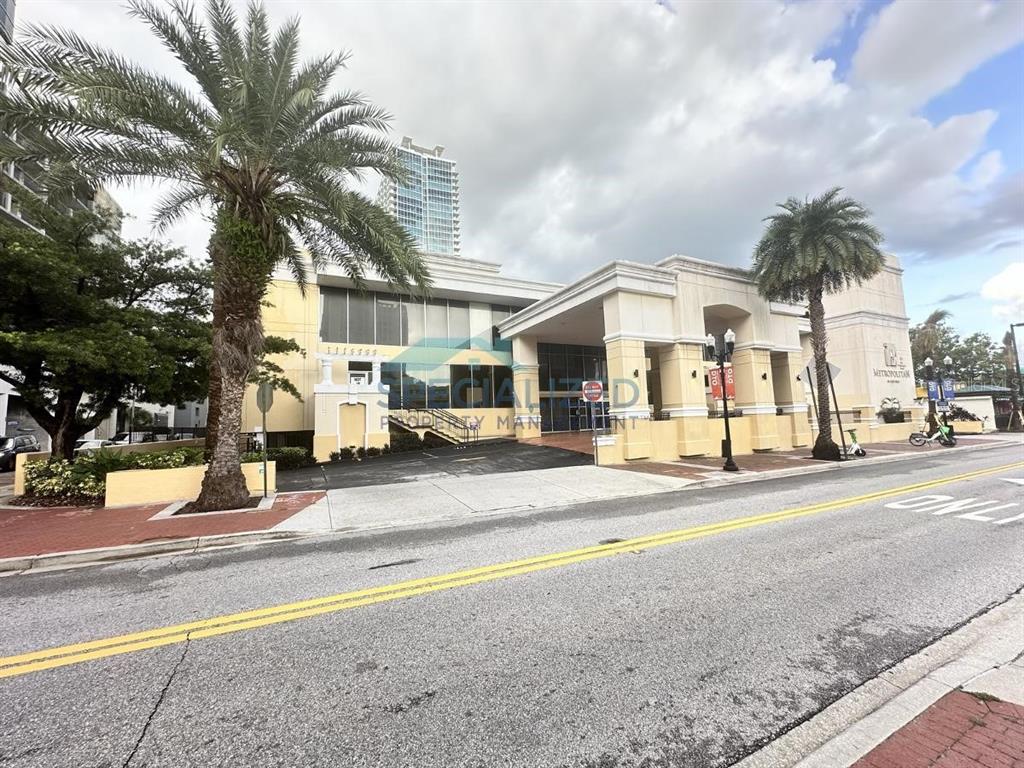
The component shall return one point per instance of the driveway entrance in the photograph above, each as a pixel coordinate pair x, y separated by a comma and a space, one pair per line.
478, 459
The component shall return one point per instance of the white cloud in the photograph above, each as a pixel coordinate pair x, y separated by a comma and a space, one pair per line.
591, 132
1006, 291
914, 50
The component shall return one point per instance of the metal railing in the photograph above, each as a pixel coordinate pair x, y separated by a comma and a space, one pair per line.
443, 422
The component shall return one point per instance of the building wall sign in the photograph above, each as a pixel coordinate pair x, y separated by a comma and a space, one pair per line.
895, 369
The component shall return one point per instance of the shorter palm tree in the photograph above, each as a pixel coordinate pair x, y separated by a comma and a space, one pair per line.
814, 247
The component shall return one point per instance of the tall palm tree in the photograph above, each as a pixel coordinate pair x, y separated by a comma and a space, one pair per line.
258, 138
810, 248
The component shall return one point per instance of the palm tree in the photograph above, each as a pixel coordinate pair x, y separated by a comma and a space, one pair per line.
259, 140
811, 248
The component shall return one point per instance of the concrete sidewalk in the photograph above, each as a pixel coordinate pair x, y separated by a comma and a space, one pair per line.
444, 497
959, 703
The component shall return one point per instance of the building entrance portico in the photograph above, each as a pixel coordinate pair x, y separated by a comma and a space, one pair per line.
653, 322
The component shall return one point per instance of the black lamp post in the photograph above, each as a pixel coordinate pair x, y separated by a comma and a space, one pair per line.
721, 355
929, 375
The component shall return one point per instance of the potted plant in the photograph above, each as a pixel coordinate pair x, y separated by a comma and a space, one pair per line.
891, 411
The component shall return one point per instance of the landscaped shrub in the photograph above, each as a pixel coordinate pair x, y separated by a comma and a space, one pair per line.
290, 457
405, 441
373, 451
360, 452
85, 479
958, 413
431, 440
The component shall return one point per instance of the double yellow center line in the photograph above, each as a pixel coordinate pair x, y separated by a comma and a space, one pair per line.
12, 666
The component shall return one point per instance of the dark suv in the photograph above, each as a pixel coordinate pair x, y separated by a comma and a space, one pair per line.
12, 446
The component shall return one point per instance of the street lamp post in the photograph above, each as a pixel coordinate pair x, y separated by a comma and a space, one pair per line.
929, 375
722, 354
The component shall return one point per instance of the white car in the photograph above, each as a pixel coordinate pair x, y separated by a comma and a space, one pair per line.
86, 446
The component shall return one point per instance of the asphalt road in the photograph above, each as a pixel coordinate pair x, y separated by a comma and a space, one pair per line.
690, 650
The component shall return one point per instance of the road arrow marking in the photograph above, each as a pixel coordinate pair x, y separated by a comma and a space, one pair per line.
1017, 480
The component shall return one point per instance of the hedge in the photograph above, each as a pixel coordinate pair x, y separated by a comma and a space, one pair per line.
290, 457
85, 479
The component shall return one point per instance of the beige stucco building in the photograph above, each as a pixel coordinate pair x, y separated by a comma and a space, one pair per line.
491, 356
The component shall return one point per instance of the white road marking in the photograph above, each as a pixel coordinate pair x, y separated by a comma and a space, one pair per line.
971, 509
1017, 480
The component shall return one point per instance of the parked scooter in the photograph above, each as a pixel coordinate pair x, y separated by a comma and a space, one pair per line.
854, 448
943, 435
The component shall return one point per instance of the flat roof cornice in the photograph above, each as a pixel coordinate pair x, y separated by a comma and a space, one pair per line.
616, 275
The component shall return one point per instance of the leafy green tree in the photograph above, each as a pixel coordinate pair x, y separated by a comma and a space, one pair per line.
258, 138
932, 338
85, 317
811, 248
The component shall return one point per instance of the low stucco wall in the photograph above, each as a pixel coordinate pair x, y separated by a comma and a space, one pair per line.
147, 486
967, 427
167, 445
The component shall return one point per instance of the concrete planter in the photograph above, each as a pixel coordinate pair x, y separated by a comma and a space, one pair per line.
149, 486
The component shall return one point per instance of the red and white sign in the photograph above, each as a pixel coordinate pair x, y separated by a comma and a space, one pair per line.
715, 379
593, 391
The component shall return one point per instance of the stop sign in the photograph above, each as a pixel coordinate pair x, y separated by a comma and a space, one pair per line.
593, 391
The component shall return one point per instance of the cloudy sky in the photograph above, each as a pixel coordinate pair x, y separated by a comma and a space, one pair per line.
592, 131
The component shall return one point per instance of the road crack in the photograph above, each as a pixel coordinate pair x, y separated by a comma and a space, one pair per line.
159, 702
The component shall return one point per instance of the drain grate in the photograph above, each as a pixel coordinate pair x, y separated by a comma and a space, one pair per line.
392, 565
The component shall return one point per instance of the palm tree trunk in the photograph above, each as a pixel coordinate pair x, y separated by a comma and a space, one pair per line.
824, 447
239, 286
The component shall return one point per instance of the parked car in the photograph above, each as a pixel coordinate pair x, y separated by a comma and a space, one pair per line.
10, 447
84, 446
123, 438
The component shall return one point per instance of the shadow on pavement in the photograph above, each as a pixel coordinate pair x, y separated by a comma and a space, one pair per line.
479, 459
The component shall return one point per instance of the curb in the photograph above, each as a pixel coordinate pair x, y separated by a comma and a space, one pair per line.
811, 469
16, 565
853, 725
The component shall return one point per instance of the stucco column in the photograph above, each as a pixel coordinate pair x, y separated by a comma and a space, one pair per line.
755, 396
683, 397
627, 384
790, 397
526, 383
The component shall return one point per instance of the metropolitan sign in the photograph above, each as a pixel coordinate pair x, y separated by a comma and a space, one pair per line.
593, 391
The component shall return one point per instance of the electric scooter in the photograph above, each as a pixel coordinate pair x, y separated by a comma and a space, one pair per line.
855, 448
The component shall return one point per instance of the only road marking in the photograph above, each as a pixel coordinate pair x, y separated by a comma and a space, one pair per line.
50, 658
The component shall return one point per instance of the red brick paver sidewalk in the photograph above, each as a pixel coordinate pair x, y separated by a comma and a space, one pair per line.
30, 531
960, 730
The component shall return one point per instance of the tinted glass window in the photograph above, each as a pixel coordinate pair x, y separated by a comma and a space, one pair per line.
499, 313
458, 324
333, 315
389, 321
391, 375
412, 321
360, 318
504, 392
436, 334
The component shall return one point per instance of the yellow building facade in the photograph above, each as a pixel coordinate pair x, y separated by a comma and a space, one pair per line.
488, 356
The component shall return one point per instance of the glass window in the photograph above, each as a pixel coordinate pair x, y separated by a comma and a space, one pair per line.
499, 313
436, 334
391, 374
463, 394
389, 321
333, 315
438, 387
559, 373
412, 321
504, 389
414, 387
360, 318
458, 324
